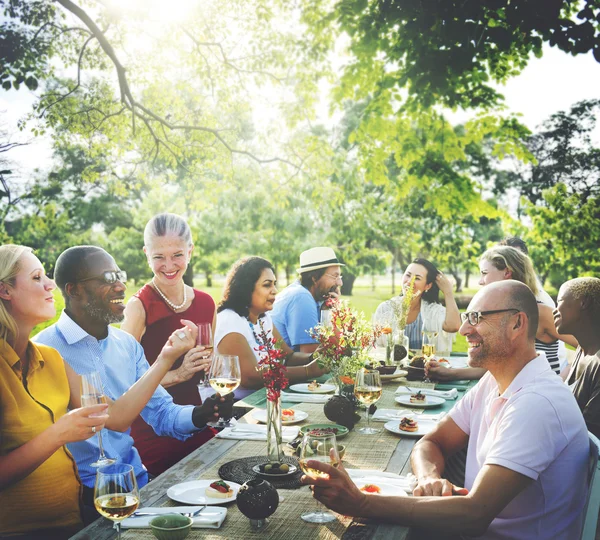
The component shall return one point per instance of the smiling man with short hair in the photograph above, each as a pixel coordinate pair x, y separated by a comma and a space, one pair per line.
527, 444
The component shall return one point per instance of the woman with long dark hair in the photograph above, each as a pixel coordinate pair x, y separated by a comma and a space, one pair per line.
425, 312
243, 316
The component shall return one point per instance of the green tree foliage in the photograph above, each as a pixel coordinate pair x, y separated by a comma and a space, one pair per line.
447, 51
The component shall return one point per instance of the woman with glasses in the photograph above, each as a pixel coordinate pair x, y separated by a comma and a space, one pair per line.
425, 312
151, 315
40, 407
497, 264
244, 320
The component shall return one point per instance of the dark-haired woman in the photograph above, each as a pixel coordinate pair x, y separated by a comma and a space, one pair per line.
426, 312
243, 315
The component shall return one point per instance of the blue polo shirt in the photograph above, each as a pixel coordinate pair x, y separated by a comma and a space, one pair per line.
295, 312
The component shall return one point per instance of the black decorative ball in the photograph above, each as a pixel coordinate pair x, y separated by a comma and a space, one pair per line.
257, 499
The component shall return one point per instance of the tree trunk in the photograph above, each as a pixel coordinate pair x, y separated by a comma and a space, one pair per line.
467, 276
188, 277
458, 279
209, 281
394, 273
348, 283
373, 281
287, 274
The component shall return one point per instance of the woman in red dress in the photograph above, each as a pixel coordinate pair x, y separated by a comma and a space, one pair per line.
152, 315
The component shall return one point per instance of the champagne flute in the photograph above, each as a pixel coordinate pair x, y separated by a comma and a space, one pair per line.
321, 447
428, 347
368, 390
326, 318
225, 376
116, 494
205, 339
92, 393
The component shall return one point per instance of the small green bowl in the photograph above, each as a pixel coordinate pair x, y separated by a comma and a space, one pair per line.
171, 526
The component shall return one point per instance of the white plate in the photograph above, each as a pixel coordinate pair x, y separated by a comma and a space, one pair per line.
303, 388
386, 489
260, 415
195, 492
430, 402
424, 427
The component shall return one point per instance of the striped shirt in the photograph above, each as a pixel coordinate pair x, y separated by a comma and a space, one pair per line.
121, 362
551, 351
414, 331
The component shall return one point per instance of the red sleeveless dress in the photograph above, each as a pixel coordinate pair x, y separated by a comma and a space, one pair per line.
160, 453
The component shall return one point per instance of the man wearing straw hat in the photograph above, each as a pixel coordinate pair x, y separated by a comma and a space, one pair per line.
297, 309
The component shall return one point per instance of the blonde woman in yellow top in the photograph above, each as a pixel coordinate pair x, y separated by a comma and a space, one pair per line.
40, 407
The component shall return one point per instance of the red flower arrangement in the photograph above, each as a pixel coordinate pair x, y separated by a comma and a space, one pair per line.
271, 365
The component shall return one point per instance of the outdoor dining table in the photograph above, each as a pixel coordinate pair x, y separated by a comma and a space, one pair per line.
384, 451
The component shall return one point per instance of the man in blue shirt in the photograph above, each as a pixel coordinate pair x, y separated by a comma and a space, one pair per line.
297, 308
93, 289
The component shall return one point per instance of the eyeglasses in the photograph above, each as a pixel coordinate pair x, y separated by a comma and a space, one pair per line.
109, 277
332, 276
474, 317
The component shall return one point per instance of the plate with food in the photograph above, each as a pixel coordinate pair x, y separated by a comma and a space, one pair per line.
325, 429
204, 492
396, 375
420, 400
288, 416
275, 469
410, 427
378, 488
313, 388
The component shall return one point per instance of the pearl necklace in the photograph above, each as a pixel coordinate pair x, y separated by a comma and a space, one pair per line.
173, 306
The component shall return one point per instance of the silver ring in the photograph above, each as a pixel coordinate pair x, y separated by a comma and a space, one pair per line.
93, 429
181, 334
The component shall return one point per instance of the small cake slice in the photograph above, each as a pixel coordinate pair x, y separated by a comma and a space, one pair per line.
408, 424
370, 488
314, 385
219, 490
417, 398
288, 415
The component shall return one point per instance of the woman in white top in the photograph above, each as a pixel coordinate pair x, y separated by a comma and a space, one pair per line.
242, 317
425, 313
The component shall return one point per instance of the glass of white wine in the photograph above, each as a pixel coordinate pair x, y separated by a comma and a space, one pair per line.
116, 494
368, 390
225, 376
205, 339
428, 347
92, 393
323, 448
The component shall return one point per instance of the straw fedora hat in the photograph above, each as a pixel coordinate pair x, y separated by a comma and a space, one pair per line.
318, 257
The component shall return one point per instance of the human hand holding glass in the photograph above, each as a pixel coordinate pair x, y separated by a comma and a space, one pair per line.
318, 447
205, 339
116, 494
224, 377
92, 393
368, 390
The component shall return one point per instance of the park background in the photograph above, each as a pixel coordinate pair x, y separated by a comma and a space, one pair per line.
379, 129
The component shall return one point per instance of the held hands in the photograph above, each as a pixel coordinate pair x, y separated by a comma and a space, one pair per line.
195, 360
337, 492
212, 407
444, 284
436, 487
77, 424
180, 341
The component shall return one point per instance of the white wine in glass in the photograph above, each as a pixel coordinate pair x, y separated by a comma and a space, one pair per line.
205, 339
321, 448
92, 393
368, 390
116, 494
225, 376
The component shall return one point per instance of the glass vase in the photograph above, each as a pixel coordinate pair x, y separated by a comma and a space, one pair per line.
274, 434
400, 348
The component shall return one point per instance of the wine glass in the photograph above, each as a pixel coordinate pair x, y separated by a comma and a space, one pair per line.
368, 390
205, 339
326, 318
428, 347
322, 447
92, 393
224, 377
116, 494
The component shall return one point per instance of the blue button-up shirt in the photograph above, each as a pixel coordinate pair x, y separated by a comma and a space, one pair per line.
121, 362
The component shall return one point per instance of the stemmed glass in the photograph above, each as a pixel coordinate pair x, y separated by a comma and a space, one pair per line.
326, 317
205, 339
116, 494
319, 447
368, 390
224, 377
428, 347
92, 393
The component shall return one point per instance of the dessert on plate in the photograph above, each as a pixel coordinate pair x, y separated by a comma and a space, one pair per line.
287, 415
370, 488
219, 490
314, 385
417, 398
408, 424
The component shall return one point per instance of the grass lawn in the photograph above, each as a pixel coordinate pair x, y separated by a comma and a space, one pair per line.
364, 299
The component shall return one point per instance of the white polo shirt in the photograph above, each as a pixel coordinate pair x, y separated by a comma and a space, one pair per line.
536, 429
